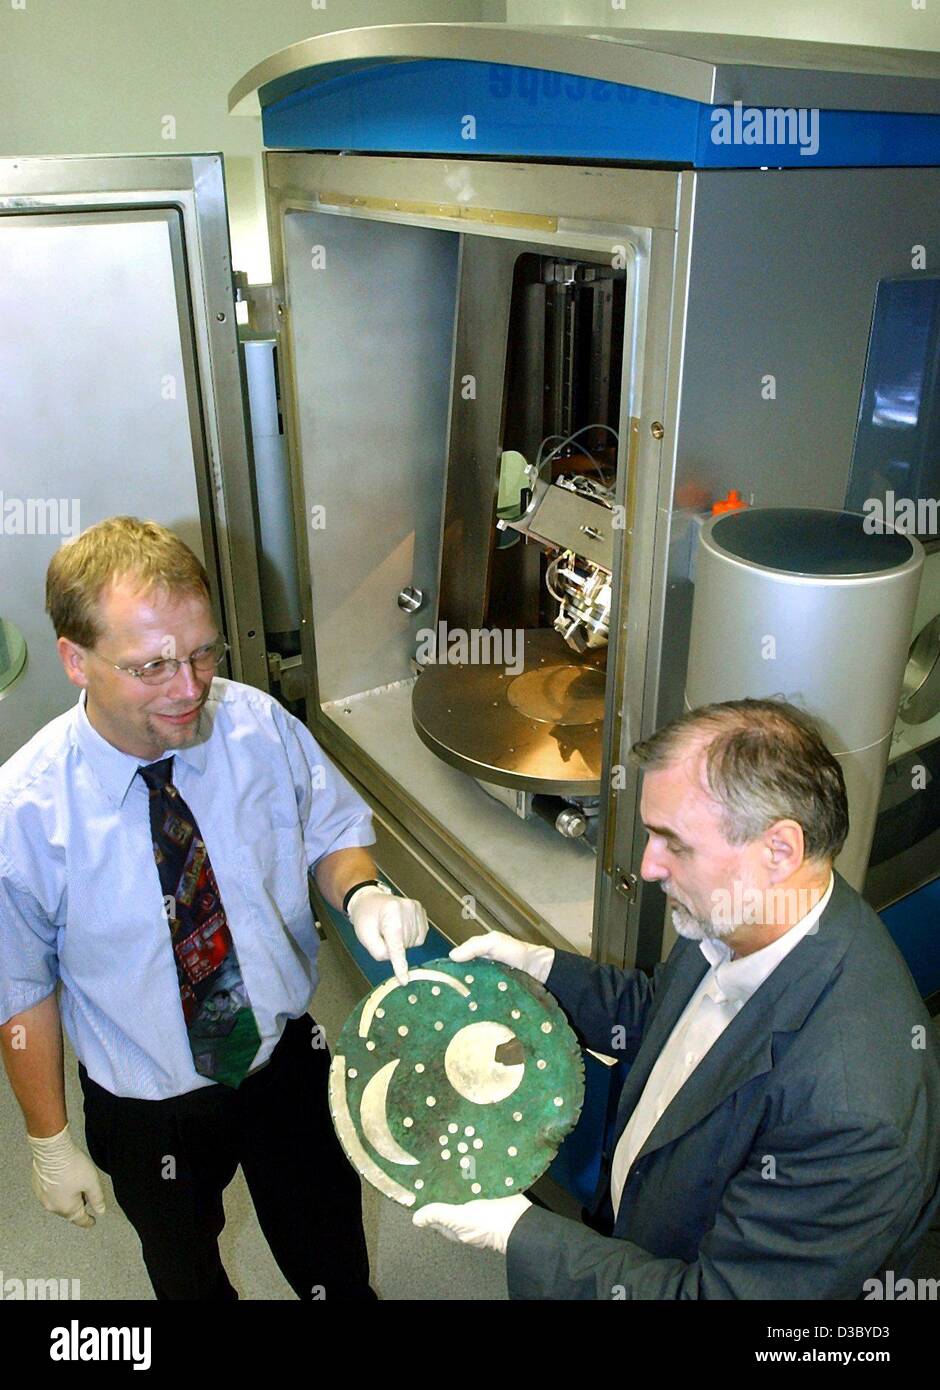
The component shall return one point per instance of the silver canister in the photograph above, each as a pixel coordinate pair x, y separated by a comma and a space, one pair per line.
806, 605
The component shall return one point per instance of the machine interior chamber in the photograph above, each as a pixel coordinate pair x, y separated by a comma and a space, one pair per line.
429, 547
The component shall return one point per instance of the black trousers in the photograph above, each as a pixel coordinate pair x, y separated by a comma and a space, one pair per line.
170, 1161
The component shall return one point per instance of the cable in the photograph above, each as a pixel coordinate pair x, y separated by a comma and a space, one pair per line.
541, 462
570, 439
550, 576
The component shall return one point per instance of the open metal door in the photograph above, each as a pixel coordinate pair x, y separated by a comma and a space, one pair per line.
120, 393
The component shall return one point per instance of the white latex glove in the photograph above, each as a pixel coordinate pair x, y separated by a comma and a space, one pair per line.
485, 1224
387, 925
536, 961
64, 1178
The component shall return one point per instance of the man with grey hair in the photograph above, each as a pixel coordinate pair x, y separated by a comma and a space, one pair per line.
778, 1132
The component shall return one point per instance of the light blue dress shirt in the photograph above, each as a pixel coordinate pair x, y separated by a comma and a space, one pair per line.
80, 894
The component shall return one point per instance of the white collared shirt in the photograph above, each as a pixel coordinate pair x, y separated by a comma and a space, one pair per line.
80, 895
722, 993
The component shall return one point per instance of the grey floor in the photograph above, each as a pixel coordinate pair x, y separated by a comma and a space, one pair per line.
406, 1263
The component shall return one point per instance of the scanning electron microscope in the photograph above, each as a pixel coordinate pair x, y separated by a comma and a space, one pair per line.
521, 357
530, 733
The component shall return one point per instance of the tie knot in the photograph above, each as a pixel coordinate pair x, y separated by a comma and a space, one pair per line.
158, 775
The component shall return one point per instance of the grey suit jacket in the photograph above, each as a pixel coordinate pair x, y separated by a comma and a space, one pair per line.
801, 1157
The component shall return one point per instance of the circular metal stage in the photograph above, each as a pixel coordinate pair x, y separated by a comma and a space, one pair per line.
538, 730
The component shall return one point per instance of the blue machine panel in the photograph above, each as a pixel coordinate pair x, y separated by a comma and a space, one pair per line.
423, 106
914, 923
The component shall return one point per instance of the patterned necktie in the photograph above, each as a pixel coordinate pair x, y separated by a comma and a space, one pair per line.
223, 1034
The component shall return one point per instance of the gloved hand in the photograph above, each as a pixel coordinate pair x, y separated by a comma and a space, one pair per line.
64, 1178
387, 925
485, 1224
536, 961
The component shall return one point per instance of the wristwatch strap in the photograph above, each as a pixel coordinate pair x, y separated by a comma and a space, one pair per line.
366, 883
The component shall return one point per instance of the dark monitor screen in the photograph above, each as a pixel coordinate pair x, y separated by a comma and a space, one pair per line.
896, 455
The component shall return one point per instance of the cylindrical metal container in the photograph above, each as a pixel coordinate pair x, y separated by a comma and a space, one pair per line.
805, 605
277, 561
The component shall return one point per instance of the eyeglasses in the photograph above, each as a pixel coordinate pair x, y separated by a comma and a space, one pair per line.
203, 660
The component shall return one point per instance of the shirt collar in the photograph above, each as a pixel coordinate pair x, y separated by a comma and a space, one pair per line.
737, 980
116, 770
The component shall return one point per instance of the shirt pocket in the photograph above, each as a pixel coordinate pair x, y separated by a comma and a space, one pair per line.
273, 875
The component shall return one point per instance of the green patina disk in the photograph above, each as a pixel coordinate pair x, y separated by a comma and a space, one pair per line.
460, 1084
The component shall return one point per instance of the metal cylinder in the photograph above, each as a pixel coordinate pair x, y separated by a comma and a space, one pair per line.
277, 561
805, 605
567, 819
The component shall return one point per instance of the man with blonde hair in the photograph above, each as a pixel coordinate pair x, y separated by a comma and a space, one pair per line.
154, 847
778, 1132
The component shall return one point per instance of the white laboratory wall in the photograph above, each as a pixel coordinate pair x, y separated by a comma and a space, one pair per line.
878, 23
153, 76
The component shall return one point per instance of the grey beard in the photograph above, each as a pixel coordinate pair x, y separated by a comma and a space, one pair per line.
697, 928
